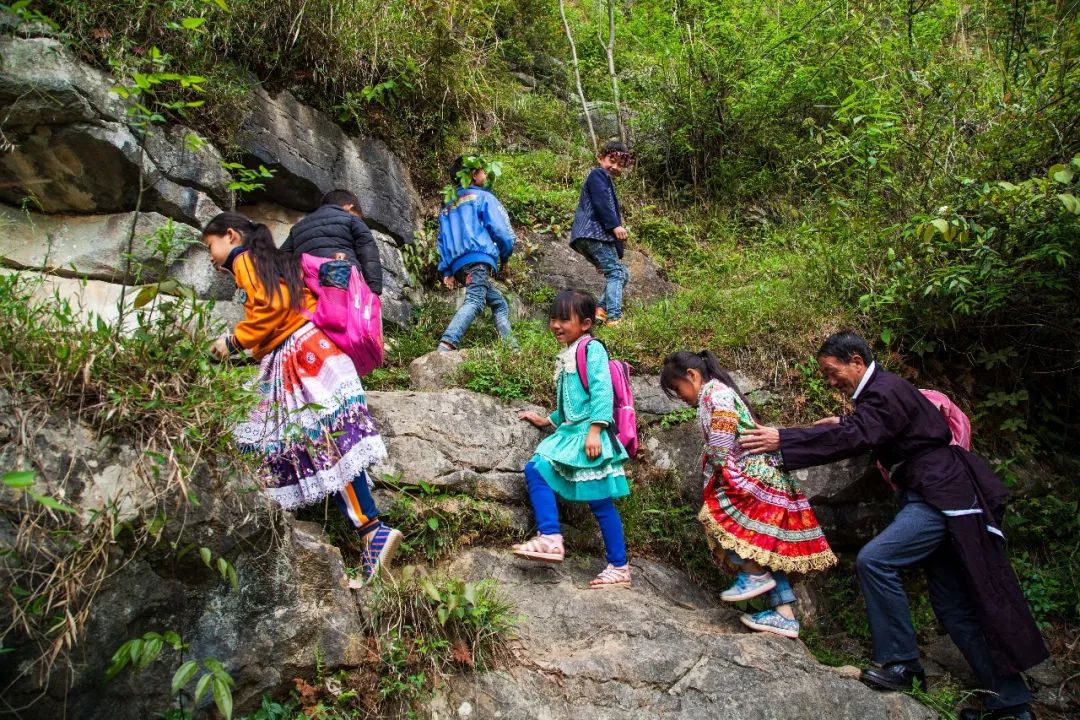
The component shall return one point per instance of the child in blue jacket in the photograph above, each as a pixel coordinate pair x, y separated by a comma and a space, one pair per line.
475, 240
598, 231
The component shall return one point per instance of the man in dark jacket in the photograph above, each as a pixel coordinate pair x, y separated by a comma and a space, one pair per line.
337, 230
598, 231
949, 522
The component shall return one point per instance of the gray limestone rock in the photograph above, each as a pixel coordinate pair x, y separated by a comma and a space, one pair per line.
662, 649
455, 438
311, 155
561, 268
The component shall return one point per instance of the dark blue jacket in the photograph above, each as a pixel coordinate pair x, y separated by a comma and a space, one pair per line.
473, 229
331, 230
598, 210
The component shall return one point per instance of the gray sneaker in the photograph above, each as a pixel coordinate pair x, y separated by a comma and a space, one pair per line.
771, 621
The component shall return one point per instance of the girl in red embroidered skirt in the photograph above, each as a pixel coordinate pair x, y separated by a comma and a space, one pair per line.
752, 511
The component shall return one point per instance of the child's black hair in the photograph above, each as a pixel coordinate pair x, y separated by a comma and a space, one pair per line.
455, 167
570, 303
272, 266
342, 198
677, 364
613, 147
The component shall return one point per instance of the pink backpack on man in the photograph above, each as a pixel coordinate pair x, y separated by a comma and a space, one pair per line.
346, 310
955, 418
623, 411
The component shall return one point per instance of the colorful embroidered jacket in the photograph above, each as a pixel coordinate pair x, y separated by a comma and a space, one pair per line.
268, 319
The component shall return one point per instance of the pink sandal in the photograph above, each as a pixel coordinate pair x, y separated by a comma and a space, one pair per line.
545, 548
612, 577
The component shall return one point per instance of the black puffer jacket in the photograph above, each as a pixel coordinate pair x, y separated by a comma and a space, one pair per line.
331, 230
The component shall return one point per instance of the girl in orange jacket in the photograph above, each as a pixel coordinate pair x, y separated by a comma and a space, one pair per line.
311, 426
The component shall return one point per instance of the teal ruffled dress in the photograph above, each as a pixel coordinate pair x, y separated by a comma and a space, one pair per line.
560, 457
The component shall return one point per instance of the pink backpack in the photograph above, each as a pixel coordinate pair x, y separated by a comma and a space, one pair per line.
958, 423
623, 411
346, 310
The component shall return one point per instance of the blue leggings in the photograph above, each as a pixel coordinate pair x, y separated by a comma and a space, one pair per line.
355, 502
542, 498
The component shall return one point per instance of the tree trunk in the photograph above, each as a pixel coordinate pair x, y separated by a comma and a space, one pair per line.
577, 76
609, 48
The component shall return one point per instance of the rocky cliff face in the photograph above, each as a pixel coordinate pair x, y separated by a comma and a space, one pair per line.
666, 648
71, 174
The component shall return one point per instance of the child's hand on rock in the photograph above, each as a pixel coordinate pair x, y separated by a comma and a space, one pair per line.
538, 420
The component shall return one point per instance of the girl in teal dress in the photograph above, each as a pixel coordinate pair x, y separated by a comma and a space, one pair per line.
582, 461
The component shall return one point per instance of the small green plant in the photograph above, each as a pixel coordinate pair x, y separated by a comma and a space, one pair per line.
139, 653
425, 626
678, 417
469, 165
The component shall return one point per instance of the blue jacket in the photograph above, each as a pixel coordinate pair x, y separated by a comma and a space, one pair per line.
473, 229
598, 210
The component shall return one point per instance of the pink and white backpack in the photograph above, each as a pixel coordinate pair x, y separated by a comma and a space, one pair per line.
955, 418
346, 310
623, 411
958, 422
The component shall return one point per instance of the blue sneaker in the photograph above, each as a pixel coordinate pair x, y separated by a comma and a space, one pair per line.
384, 543
748, 586
771, 621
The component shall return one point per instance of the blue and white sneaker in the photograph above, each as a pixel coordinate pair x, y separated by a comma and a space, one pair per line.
748, 586
771, 621
384, 544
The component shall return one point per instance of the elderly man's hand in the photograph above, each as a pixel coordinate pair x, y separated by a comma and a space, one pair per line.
761, 439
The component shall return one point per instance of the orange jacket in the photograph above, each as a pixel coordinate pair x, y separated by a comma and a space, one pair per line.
268, 320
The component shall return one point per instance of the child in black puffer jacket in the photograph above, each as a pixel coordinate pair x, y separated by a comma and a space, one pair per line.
337, 229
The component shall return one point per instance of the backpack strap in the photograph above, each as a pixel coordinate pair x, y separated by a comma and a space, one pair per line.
582, 354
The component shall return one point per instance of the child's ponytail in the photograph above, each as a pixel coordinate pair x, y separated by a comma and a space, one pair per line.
272, 266
677, 364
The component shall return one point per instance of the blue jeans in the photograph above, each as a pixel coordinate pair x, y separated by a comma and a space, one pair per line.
479, 293
542, 498
605, 258
919, 536
782, 594
355, 502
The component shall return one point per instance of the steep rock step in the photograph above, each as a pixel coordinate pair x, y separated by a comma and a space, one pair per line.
663, 649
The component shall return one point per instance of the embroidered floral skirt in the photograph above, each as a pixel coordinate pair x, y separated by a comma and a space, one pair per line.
561, 460
311, 427
769, 523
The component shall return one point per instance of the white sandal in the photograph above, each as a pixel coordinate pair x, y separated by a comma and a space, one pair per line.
545, 548
612, 577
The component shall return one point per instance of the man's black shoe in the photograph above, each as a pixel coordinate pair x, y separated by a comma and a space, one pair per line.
1021, 712
896, 676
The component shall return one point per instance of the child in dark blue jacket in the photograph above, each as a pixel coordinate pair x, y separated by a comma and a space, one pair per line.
598, 231
475, 240
337, 230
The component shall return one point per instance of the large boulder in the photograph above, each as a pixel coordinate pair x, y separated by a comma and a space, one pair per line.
455, 438
435, 370
311, 155
292, 612
74, 152
396, 303
91, 246
561, 268
663, 649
